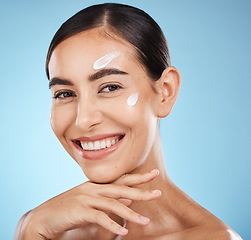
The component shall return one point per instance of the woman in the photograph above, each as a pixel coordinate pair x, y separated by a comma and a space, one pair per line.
111, 81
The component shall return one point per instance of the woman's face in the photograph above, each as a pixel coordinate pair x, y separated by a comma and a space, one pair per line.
90, 114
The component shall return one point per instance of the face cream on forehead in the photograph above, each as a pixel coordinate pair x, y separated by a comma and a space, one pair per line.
105, 60
132, 100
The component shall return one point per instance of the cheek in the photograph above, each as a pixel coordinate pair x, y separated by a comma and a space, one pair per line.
133, 111
140, 123
126, 111
143, 124
61, 119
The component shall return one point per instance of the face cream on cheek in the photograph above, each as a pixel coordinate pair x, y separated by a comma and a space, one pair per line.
132, 100
105, 60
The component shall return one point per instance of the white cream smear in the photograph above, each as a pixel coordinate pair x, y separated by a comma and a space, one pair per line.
132, 100
105, 60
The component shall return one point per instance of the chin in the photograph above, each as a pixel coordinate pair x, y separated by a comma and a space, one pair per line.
102, 176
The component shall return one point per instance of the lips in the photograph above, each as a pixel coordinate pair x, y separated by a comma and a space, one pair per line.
97, 147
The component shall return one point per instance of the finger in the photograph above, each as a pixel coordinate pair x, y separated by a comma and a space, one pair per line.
117, 191
102, 219
136, 179
126, 202
113, 206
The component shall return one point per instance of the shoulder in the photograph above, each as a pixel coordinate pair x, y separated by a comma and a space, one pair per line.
212, 232
202, 224
218, 232
204, 232
20, 225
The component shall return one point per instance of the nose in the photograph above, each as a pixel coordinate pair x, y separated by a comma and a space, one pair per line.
88, 114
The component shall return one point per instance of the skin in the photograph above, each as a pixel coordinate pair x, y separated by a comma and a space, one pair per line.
123, 189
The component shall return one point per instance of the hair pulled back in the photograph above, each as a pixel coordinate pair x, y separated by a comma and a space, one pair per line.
127, 22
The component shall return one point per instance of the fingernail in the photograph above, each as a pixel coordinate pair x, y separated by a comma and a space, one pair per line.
123, 230
156, 192
155, 171
144, 219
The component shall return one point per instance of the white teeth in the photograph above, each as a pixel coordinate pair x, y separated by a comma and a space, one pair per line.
108, 143
90, 146
102, 145
85, 146
98, 145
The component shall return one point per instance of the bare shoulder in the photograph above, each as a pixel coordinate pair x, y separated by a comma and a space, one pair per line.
19, 229
209, 233
203, 225
203, 233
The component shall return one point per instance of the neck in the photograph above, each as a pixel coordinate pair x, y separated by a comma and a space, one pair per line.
159, 211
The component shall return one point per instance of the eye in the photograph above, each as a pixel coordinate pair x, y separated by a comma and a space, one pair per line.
110, 88
64, 94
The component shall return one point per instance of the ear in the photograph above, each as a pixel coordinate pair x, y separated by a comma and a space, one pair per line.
168, 89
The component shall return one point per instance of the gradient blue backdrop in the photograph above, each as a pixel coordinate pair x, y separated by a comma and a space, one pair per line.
206, 139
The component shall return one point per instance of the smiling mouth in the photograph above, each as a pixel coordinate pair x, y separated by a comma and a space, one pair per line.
98, 145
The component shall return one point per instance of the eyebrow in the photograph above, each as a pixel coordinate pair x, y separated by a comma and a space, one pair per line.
105, 72
58, 81
102, 73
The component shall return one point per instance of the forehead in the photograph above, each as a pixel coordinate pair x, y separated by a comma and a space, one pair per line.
83, 49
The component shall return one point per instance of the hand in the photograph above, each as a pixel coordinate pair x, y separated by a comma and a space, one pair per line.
90, 203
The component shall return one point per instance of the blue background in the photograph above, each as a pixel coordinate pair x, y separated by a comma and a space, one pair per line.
206, 139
